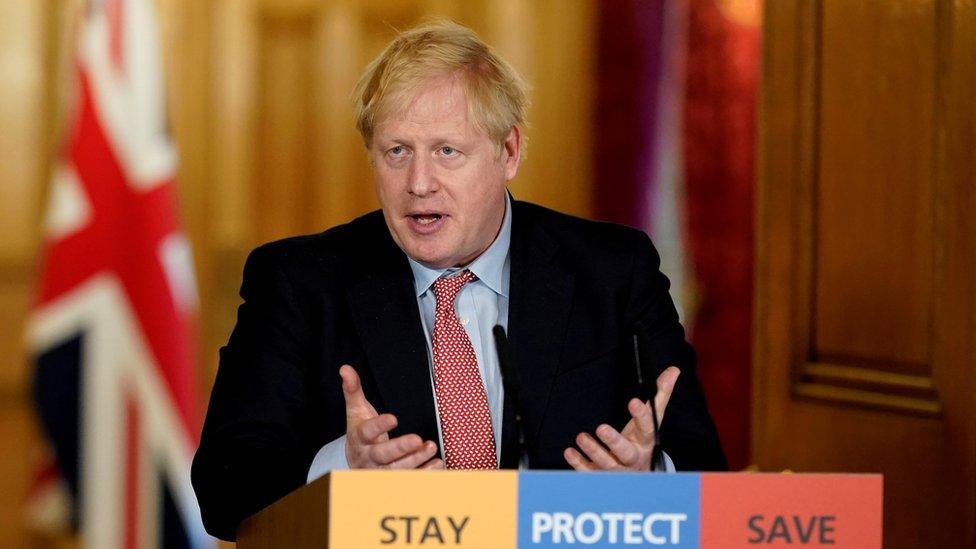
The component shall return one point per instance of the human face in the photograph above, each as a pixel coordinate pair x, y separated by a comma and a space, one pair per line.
440, 179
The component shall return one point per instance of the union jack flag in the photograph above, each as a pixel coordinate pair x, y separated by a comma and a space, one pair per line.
111, 329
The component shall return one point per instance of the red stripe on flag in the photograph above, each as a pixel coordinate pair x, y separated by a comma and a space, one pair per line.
46, 473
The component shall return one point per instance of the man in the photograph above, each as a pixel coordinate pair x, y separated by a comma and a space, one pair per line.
371, 344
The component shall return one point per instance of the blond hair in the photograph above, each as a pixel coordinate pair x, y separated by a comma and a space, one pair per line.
497, 96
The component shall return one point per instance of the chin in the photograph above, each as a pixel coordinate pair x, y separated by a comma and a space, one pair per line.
430, 258
435, 261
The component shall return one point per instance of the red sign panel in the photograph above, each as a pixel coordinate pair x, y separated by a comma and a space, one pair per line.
776, 510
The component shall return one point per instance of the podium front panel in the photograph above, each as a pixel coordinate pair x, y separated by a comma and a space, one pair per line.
546, 509
387, 509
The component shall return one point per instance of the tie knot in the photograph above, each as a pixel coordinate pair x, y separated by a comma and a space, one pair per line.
447, 288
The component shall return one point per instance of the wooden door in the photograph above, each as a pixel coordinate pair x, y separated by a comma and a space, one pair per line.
866, 254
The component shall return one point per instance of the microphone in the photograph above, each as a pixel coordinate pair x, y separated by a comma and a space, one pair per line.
509, 382
656, 453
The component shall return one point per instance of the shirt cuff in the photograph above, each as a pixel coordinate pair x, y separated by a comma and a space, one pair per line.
666, 466
332, 457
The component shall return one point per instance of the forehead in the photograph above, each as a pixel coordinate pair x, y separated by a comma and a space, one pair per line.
437, 105
437, 99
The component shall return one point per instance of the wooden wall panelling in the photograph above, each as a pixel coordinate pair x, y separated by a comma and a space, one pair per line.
230, 169
785, 110
514, 29
186, 35
22, 64
285, 140
29, 34
234, 92
345, 180
864, 304
557, 168
954, 339
552, 44
25, 30
19, 430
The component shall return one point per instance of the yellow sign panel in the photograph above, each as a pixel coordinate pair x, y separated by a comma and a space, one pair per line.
394, 509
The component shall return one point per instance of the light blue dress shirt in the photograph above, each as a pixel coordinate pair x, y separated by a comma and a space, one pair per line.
480, 305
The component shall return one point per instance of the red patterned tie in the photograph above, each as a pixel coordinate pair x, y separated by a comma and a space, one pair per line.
469, 442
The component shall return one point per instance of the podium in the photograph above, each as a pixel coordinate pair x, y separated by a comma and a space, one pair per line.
536, 509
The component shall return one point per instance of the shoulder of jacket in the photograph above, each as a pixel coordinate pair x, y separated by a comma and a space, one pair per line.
339, 245
570, 228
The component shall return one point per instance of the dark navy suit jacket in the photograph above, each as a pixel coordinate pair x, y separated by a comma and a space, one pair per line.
579, 291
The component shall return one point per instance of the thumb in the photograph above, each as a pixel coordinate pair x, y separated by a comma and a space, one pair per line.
357, 407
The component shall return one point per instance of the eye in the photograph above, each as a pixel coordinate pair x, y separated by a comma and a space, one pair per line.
397, 152
448, 151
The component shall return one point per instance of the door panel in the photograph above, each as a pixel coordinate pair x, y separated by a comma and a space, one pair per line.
866, 263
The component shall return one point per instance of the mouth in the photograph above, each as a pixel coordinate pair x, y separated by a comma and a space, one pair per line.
426, 223
426, 218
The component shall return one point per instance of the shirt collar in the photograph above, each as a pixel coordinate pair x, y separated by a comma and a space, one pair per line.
489, 267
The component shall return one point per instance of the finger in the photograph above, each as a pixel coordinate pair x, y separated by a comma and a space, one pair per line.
371, 430
416, 458
388, 452
434, 464
357, 407
641, 426
577, 461
665, 386
624, 450
596, 452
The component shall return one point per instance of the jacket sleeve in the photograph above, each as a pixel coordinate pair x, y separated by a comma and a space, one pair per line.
251, 451
688, 433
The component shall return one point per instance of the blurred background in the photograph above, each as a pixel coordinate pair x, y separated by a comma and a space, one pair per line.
807, 169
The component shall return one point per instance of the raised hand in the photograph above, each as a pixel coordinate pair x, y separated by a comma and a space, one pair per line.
630, 449
368, 442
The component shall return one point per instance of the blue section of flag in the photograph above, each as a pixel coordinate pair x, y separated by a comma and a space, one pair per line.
174, 534
557, 509
57, 393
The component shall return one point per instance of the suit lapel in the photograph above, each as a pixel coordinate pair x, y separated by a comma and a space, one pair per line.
541, 297
384, 309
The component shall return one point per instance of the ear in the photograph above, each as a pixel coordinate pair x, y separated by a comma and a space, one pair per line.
512, 153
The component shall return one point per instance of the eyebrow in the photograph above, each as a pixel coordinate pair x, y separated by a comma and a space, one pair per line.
439, 140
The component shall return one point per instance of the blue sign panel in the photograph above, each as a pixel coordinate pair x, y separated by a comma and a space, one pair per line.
557, 509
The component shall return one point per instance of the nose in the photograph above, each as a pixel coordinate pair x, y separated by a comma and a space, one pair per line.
422, 180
